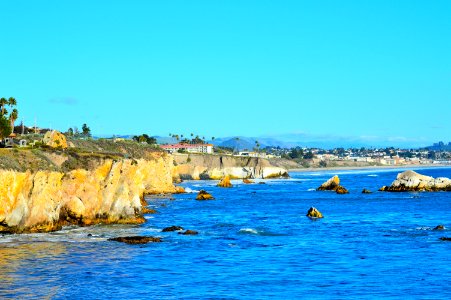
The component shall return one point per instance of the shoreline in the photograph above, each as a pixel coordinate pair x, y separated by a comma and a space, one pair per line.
369, 168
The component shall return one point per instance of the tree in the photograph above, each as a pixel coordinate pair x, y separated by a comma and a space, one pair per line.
12, 118
86, 131
3, 103
5, 127
70, 132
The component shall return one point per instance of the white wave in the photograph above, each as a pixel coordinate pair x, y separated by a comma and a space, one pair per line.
191, 191
249, 230
311, 190
373, 175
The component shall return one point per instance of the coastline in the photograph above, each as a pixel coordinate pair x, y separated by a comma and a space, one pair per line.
369, 168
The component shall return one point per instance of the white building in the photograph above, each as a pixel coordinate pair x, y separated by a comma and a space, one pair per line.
191, 148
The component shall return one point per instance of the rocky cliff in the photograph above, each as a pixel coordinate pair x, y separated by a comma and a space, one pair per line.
110, 191
197, 166
412, 181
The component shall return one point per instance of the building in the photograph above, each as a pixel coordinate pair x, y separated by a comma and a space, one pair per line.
190, 148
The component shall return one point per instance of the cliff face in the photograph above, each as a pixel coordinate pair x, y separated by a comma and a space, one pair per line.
197, 166
110, 192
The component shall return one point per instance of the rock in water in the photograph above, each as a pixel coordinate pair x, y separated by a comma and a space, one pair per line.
341, 190
55, 139
448, 239
204, 195
225, 182
314, 213
333, 184
189, 232
330, 185
247, 181
439, 227
365, 191
136, 239
412, 181
172, 228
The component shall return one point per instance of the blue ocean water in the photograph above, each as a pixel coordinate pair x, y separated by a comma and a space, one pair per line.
254, 242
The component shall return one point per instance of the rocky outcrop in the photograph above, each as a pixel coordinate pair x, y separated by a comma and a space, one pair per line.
109, 192
216, 167
55, 139
247, 181
330, 185
333, 184
172, 228
341, 190
439, 227
365, 191
134, 240
225, 182
412, 181
204, 195
189, 232
314, 213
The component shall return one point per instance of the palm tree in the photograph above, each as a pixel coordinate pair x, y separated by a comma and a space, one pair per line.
12, 101
3, 102
13, 117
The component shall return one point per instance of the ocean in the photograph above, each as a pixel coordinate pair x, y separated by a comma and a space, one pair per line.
254, 242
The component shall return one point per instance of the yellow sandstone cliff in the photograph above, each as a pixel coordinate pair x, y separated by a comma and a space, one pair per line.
110, 192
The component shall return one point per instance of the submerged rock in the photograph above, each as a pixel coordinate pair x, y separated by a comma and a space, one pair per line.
439, 227
136, 239
247, 181
314, 213
330, 185
365, 191
189, 232
448, 239
172, 228
146, 210
225, 182
412, 181
204, 195
262, 182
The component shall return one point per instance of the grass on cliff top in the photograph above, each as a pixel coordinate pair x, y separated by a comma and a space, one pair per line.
83, 154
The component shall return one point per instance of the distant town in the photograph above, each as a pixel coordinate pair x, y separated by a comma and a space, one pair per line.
438, 153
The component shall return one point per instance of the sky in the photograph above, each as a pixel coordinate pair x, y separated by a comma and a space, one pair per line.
365, 70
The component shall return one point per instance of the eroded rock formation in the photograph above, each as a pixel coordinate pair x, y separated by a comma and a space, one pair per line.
225, 182
110, 192
314, 213
333, 184
204, 195
412, 181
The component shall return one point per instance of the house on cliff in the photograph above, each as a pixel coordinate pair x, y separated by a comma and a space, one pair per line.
190, 148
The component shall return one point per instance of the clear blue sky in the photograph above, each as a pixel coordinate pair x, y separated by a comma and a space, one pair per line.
224, 68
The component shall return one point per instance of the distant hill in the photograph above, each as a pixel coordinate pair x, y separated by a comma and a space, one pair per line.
440, 146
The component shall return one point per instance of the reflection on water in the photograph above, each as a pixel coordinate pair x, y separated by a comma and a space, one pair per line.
25, 267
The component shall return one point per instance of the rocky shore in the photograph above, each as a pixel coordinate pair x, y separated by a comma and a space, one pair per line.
108, 191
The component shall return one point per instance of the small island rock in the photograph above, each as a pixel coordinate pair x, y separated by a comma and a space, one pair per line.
225, 182
247, 181
330, 185
365, 191
314, 213
410, 181
439, 227
172, 228
204, 195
